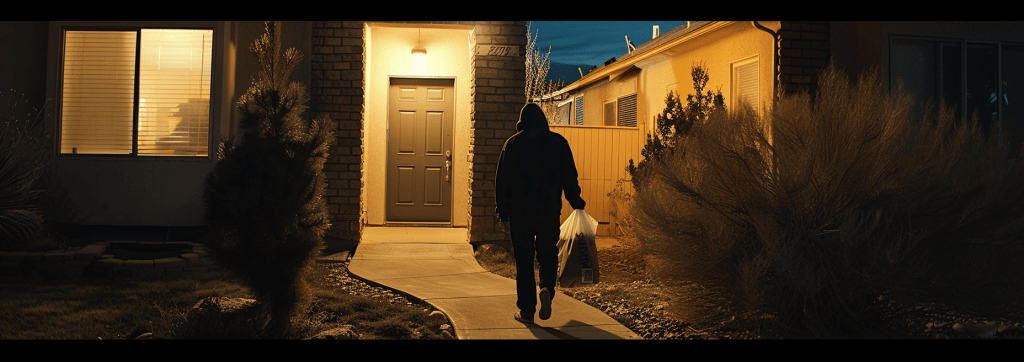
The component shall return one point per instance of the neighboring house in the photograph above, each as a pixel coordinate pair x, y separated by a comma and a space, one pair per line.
421, 111
606, 114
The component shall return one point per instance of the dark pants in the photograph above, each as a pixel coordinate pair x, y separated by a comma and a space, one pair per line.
531, 234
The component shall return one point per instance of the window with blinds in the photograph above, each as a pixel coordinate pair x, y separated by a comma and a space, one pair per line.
626, 109
579, 110
139, 92
745, 83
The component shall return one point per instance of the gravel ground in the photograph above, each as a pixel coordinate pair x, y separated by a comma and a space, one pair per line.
643, 312
338, 274
639, 304
626, 294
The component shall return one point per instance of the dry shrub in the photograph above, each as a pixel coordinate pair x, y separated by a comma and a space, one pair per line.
24, 158
847, 220
629, 251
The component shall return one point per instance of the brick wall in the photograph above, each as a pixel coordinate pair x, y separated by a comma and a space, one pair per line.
803, 52
337, 91
498, 96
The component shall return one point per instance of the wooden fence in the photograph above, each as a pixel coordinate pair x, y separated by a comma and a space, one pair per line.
601, 155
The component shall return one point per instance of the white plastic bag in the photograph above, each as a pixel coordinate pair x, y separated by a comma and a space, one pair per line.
577, 250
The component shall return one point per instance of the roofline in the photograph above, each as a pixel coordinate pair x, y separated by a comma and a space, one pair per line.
621, 65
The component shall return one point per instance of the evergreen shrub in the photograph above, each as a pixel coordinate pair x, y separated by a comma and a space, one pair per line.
265, 208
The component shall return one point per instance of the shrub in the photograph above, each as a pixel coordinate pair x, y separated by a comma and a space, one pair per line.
24, 157
676, 121
264, 199
845, 219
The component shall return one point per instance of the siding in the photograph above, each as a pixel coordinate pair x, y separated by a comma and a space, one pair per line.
601, 155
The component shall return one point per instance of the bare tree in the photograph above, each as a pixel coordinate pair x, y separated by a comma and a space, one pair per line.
537, 67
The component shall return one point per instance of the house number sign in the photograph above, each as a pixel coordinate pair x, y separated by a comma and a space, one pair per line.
498, 50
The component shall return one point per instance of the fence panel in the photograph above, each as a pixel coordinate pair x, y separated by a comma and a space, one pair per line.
601, 155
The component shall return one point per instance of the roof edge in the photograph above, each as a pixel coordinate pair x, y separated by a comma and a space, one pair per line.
672, 39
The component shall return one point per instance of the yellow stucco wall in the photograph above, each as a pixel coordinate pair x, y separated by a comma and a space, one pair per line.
718, 51
388, 55
604, 92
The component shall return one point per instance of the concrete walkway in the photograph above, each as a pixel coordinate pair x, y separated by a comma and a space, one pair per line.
437, 265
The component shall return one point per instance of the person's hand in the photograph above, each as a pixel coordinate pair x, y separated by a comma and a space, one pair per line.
504, 226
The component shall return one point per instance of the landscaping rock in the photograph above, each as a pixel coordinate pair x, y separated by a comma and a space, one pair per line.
218, 317
140, 333
345, 332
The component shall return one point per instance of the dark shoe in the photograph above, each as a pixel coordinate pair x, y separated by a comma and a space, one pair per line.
545, 304
523, 320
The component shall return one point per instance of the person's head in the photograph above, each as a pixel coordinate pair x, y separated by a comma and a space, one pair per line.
531, 117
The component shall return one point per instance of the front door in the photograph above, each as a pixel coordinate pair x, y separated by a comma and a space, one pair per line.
419, 165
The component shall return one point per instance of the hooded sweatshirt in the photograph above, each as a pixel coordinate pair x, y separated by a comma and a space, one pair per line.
534, 169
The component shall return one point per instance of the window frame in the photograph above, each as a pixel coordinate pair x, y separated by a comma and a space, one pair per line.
735, 82
964, 43
56, 63
609, 109
569, 105
614, 105
636, 109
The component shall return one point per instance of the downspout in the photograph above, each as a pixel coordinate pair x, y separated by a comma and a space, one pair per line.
775, 65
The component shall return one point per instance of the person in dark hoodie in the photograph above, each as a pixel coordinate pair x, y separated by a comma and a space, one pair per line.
534, 169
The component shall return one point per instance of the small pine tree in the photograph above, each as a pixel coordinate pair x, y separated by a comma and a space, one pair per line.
676, 121
264, 199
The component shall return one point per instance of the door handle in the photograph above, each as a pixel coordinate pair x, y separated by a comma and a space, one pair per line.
448, 166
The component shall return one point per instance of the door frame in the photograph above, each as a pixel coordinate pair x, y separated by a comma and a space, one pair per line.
387, 158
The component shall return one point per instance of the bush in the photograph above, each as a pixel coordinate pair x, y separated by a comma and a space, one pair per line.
845, 219
24, 157
675, 122
264, 199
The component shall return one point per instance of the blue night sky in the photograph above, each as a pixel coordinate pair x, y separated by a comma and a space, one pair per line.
591, 43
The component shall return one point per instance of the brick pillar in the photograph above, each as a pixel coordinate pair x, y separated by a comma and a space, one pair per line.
337, 91
803, 52
498, 95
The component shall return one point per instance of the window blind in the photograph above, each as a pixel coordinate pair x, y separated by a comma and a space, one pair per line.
579, 110
746, 84
98, 98
174, 92
627, 111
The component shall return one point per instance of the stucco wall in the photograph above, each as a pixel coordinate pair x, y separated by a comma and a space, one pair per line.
389, 55
717, 51
23, 59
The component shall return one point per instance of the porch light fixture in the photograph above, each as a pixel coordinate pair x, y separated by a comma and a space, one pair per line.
419, 57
